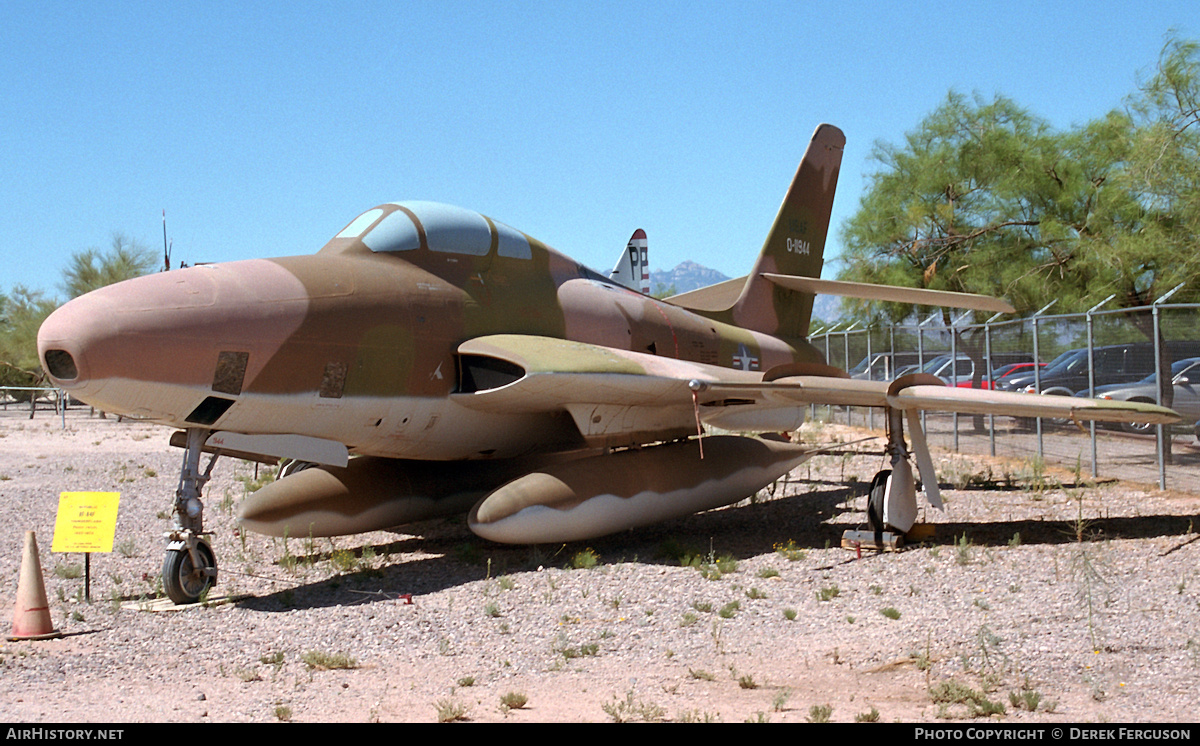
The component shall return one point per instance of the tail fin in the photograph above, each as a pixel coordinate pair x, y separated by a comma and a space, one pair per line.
633, 269
795, 244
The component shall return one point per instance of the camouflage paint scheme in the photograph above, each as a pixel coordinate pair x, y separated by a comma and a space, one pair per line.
424, 335
382, 309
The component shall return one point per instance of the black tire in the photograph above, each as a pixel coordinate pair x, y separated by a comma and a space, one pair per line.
291, 467
875, 503
184, 582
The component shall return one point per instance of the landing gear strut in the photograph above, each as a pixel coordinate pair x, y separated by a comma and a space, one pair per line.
190, 566
892, 501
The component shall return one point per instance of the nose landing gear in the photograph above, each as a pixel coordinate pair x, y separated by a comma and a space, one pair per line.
190, 566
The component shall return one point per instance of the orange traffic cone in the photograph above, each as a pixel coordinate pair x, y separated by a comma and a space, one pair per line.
31, 617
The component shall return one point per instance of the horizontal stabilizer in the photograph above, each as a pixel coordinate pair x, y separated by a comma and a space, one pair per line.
718, 297
722, 295
891, 293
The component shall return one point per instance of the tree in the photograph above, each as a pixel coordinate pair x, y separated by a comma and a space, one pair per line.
90, 269
985, 197
661, 290
21, 314
22, 311
952, 208
1163, 172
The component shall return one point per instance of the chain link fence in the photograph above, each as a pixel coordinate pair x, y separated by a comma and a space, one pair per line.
1119, 354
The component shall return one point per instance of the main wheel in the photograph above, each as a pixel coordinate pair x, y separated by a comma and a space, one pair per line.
185, 583
875, 501
291, 467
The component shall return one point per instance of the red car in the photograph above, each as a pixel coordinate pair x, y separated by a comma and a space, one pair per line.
1001, 373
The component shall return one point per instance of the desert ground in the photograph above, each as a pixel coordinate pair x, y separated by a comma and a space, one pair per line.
1040, 595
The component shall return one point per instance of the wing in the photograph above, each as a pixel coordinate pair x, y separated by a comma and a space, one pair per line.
619, 394
618, 397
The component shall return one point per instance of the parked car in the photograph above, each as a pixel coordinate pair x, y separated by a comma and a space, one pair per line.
959, 371
881, 366
948, 369
1185, 376
1002, 374
1067, 374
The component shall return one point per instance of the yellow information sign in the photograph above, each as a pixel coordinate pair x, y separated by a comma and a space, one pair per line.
86, 522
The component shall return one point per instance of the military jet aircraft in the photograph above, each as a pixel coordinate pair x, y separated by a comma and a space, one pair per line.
429, 360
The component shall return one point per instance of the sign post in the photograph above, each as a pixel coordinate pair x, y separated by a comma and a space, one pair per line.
86, 522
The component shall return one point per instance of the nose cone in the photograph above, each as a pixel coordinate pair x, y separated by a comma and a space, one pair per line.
148, 346
110, 331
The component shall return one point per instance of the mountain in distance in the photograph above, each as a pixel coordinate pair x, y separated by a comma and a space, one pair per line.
826, 309
692, 276
686, 276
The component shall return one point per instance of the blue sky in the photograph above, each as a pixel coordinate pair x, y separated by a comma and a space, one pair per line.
262, 128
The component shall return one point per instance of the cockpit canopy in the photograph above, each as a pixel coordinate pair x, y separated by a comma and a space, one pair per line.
408, 226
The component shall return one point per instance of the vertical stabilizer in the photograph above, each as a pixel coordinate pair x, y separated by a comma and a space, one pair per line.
633, 268
795, 244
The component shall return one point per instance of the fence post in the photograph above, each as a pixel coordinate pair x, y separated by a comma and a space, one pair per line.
812, 408
1092, 377
1037, 373
870, 377
954, 367
987, 351
921, 361
954, 377
828, 333
1162, 431
846, 360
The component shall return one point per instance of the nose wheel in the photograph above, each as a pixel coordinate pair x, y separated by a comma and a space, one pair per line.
190, 566
187, 579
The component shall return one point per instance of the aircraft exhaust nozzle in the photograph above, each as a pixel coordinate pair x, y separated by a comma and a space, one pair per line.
600, 495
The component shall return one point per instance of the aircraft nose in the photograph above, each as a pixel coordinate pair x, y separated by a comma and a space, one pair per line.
117, 331
139, 346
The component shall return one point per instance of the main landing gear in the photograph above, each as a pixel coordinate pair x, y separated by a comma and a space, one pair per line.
190, 566
892, 501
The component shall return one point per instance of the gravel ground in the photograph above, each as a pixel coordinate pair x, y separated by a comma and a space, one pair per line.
1082, 601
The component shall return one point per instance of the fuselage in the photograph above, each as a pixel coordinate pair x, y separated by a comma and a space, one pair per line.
358, 343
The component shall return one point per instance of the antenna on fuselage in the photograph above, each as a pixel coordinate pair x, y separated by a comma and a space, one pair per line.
166, 246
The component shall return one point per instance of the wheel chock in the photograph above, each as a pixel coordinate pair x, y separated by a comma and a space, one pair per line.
31, 615
859, 540
921, 532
